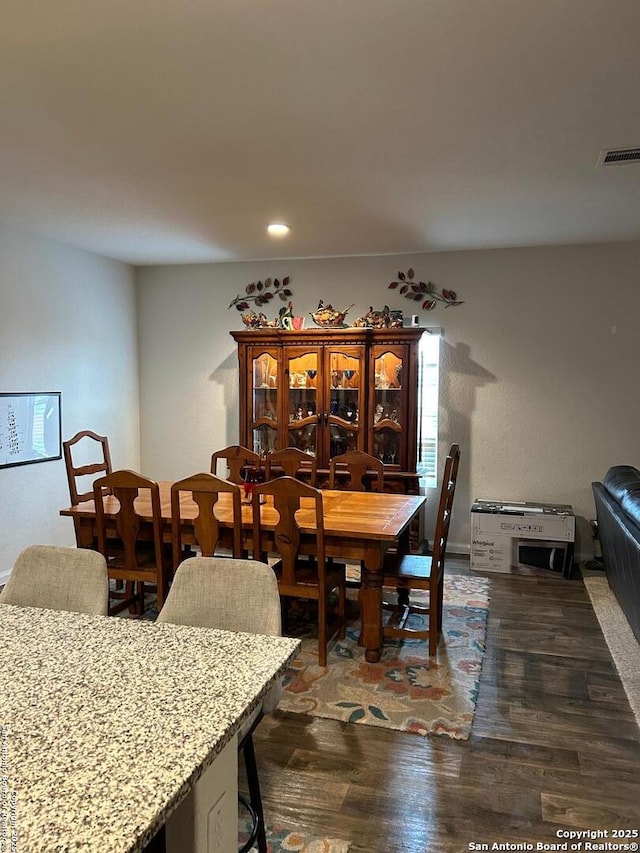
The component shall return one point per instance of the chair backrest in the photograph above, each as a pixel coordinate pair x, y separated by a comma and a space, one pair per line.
205, 490
288, 494
218, 592
57, 578
93, 446
292, 461
445, 506
237, 457
125, 486
357, 465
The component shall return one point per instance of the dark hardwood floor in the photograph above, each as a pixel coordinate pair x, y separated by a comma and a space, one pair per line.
554, 745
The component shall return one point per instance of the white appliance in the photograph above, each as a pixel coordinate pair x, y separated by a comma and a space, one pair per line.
522, 538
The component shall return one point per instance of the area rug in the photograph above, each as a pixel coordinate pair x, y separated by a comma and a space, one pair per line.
622, 643
406, 690
283, 840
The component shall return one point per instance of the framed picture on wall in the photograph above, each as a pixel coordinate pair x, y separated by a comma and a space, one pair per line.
30, 428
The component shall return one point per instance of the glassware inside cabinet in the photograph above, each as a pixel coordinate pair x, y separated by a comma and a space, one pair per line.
342, 440
302, 370
265, 371
303, 387
387, 446
265, 391
388, 372
345, 387
388, 408
304, 437
265, 440
265, 403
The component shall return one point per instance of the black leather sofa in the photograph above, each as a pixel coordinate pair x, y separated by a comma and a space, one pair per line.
617, 500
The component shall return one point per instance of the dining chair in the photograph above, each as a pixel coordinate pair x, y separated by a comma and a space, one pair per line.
292, 462
415, 571
299, 578
364, 473
233, 595
86, 455
356, 471
205, 490
137, 556
237, 458
59, 578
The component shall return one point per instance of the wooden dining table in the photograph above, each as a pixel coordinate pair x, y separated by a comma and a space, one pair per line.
359, 526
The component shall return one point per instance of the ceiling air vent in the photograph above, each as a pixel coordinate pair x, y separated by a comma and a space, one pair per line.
618, 156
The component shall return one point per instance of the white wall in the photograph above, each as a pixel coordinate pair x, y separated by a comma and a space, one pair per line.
538, 379
67, 323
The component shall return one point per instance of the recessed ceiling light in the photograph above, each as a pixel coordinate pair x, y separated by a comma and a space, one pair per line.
278, 229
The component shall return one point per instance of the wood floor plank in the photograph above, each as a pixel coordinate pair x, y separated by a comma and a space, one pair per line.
596, 813
357, 771
520, 754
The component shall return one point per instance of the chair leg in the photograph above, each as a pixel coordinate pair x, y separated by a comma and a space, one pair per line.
440, 601
162, 586
284, 613
434, 619
342, 611
403, 595
322, 628
254, 790
130, 595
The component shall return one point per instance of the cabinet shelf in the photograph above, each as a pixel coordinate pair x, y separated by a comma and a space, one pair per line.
301, 422
386, 423
347, 424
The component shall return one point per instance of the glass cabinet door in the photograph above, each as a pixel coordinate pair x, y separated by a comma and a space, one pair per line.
388, 408
344, 406
304, 377
264, 403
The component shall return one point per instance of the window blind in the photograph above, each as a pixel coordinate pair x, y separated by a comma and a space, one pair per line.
428, 405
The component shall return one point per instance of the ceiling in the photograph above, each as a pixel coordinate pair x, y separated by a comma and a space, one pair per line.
173, 132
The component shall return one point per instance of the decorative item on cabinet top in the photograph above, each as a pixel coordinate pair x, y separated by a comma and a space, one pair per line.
385, 319
284, 320
328, 317
425, 292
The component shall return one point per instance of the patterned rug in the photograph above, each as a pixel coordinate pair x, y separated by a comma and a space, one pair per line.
406, 690
282, 840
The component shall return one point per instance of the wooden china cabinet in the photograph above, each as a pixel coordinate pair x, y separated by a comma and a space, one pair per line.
327, 391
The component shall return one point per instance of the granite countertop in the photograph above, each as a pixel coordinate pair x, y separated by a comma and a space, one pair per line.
107, 723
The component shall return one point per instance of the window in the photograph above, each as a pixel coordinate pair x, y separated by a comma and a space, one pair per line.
428, 387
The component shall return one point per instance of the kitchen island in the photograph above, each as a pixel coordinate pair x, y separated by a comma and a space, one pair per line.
109, 724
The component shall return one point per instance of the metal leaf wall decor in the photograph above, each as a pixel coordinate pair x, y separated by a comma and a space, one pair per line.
262, 292
424, 292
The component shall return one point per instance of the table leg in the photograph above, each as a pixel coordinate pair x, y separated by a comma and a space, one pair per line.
85, 532
370, 599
